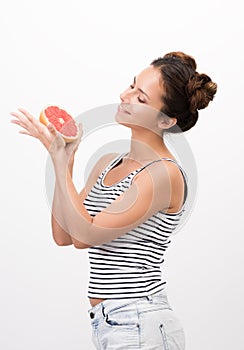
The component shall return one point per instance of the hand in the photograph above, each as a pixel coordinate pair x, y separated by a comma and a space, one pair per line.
47, 135
60, 148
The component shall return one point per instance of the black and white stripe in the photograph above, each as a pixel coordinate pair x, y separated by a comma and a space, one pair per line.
131, 265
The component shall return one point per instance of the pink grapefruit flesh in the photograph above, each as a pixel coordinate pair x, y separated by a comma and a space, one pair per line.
62, 121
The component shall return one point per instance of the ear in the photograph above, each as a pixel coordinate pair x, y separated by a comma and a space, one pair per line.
166, 122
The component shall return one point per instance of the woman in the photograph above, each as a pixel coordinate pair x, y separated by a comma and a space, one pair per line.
130, 205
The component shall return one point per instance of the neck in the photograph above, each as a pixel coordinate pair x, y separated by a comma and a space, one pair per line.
146, 145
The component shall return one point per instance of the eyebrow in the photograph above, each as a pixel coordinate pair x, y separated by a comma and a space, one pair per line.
143, 92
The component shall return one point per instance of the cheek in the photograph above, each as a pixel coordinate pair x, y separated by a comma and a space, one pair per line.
143, 111
144, 115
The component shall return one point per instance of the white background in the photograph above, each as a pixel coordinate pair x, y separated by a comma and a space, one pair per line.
80, 55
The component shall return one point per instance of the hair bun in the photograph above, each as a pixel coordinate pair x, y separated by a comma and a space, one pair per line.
185, 91
200, 90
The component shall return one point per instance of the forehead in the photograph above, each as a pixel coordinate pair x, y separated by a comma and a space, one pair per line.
150, 81
150, 77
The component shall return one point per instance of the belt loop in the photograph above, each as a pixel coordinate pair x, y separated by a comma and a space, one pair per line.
102, 309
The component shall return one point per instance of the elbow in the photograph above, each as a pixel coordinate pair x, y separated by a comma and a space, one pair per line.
79, 245
62, 243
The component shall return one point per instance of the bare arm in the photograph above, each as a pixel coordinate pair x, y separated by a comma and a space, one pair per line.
60, 236
59, 229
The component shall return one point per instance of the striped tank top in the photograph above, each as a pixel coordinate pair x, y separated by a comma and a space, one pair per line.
131, 265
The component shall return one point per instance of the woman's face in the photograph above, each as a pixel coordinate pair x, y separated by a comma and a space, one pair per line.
142, 101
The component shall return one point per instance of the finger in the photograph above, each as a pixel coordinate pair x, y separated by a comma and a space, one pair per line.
27, 114
60, 141
25, 132
18, 122
22, 121
31, 119
15, 121
18, 116
52, 129
14, 114
80, 127
80, 131
30, 129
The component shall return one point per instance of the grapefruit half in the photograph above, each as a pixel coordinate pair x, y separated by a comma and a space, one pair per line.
62, 121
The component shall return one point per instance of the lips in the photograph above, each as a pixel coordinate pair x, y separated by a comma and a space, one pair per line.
122, 109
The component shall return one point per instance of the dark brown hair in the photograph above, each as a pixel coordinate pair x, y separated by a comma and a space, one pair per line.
186, 91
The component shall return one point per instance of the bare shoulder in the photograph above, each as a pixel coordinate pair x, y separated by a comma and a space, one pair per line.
105, 160
173, 172
102, 163
158, 168
97, 169
163, 177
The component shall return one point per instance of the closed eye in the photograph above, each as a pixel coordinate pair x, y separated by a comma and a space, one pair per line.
139, 99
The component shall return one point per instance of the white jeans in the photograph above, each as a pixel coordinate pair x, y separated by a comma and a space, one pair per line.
146, 323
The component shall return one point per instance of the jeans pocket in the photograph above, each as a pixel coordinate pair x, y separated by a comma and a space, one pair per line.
119, 323
120, 319
173, 339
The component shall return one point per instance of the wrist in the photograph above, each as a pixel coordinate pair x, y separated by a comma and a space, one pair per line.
71, 158
60, 163
71, 163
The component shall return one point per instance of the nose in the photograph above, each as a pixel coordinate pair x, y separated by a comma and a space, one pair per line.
122, 96
125, 96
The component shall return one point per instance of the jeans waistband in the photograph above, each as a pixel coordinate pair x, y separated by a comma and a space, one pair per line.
108, 305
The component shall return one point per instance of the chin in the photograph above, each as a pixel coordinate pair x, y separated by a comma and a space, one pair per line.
121, 119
